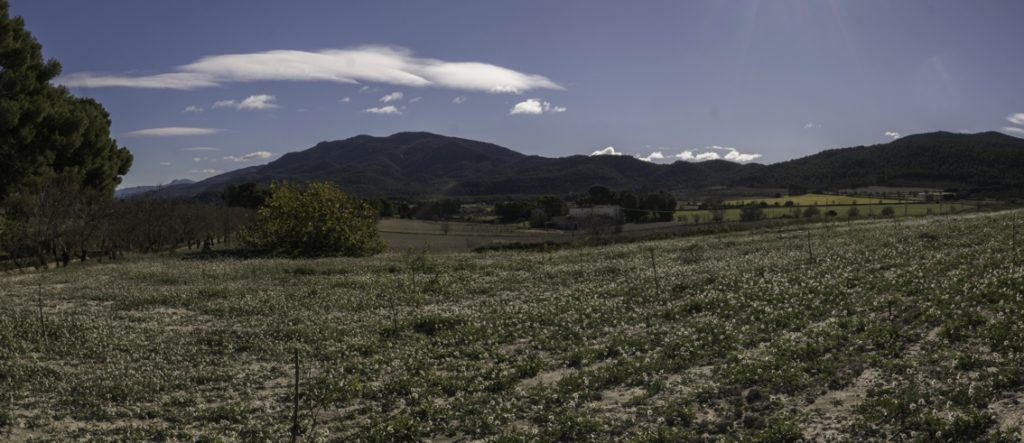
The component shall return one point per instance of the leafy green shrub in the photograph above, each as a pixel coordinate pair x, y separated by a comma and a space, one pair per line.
888, 211
316, 219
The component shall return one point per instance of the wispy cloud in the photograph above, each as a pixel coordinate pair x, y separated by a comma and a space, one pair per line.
392, 97
193, 108
370, 64
200, 149
548, 107
812, 125
459, 100
387, 110
258, 155
606, 151
895, 135
165, 163
174, 80
172, 132
258, 102
1017, 119
415, 99
345, 100
1013, 130
203, 171
252, 102
534, 106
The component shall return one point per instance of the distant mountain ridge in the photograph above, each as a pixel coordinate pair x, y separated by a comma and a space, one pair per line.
137, 190
426, 165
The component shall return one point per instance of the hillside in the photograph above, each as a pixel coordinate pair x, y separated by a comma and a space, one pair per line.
987, 162
419, 164
134, 191
889, 329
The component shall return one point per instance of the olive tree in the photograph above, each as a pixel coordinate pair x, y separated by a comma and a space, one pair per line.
316, 219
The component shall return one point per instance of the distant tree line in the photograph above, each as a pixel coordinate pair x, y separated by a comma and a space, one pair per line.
636, 207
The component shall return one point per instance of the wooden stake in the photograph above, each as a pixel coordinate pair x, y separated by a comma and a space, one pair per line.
295, 410
654, 266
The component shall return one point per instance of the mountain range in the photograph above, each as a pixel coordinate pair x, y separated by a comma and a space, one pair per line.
139, 190
425, 165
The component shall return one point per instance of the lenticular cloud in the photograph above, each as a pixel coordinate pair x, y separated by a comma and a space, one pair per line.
371, 64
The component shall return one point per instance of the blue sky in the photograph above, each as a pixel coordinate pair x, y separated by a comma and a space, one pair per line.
749, 80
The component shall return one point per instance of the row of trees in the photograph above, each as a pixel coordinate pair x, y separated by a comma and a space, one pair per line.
59, 220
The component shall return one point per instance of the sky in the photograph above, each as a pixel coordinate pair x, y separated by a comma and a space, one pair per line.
196, 88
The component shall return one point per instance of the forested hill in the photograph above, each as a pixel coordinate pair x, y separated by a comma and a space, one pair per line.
987, 162
425, 165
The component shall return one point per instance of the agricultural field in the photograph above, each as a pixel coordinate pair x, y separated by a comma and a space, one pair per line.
842, 211
885, 329
446, 236
814, 199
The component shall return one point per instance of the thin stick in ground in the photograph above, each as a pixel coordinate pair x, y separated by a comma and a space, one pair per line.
296, 429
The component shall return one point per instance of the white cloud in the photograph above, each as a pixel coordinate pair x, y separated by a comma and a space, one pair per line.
225, 104
606, 151
165, 163
529, 107
258, 155
374, 64
460, 99
1013, 130
1017, 119
656, 155
345, 100
732, 155
691, 157
534, 106
193, 108
736, 156
172, 131
197, 159
258, 102
392, 97
812, 125
389, 110
895, 135
200, 149
415, 99
203, 171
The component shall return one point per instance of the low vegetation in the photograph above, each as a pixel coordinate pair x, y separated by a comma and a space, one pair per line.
871, 330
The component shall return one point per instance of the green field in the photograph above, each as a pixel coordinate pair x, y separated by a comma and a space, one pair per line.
874, 330
445, 236
813, 199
